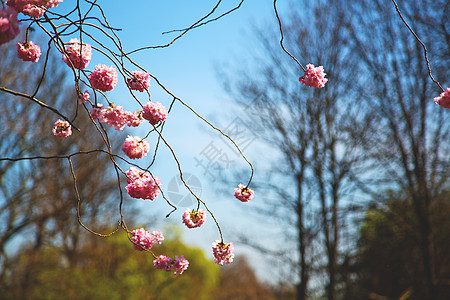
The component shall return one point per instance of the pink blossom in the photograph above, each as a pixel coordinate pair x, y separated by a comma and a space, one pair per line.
78, 55
158, 237
28, 51
135, 147
163, 262
32, 8
135, 174
113, 116
96, 112
444, 99
142, 184
49, 3
243, 193
134, 119
142, 239
177, 265
84, 97
180, 265
139, 82
223, 253
103, 78
193, 218
62, 129
27, 7
33, 11
314, 77
9, 25
154, 112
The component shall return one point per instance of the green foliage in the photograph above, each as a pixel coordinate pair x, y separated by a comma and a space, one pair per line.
390, 261
110, 269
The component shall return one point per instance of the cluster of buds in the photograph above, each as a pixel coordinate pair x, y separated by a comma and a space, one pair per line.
144, 240
135, 147
314, 77
444, 99
115, 116
243, 193
32, 8
28, 51
177, 265
142, 184
9, 25
223, 253
103, 78
154, 112
77, 56
62, 129
139, 82
193, 218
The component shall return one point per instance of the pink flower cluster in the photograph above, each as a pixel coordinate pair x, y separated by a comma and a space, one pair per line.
314, 77
223, 253
139, 82
77, 55
28, 51
103, 78
116, 117
135, 147
144, 240
177, 265
158, 237
32, 8
9, 25
84, 97
163, 263
154, 112
193, 218
243, 193
142, 184
134, 119
444, 99
62, 129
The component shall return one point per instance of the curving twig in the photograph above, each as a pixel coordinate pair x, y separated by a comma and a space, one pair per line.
32, 98
421, 43
180, 35
209, 21
282, 36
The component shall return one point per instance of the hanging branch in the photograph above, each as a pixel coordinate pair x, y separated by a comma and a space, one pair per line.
420, 42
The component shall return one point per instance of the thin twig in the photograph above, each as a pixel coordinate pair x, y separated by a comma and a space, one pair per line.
38, 102
79, 206
180, 35
209, 21
423, 45
282, 36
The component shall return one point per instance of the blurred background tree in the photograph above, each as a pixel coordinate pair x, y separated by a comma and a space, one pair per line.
374, 127
38, 204
109, 269
314, 131
238, 281
37, 197
409, 146
389, 234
